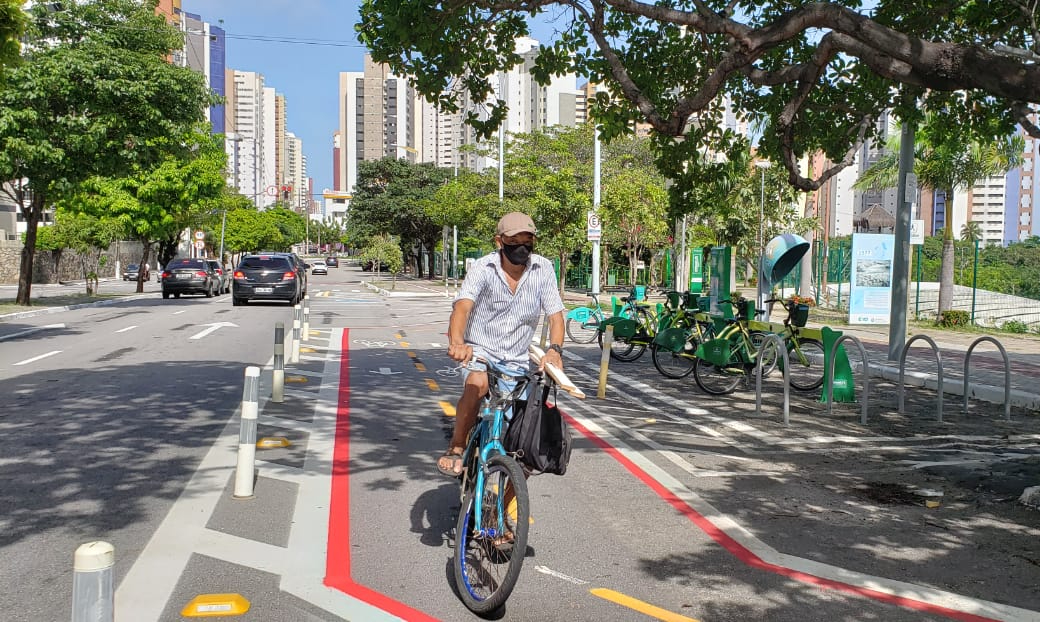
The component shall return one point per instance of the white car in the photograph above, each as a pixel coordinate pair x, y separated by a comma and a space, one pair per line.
319, 267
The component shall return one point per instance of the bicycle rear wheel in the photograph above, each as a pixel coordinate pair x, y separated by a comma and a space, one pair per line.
584, 332
486, 564
715, 379
674, 364
770, 356
806, 371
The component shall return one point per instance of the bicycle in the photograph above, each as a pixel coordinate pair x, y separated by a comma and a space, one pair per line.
491, 534
635, 326
805, 354
729, 358
583, 323
673, 349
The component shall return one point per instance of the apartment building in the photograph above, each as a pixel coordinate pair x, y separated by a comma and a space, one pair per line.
250, 143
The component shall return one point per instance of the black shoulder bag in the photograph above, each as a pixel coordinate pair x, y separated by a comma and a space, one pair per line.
538, 435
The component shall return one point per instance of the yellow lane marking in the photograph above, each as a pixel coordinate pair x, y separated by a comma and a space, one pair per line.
307, 350
420, 366
398, 336
448, 408
300, 379
326, 294
412, 355
640, 606
405, 344
430, 382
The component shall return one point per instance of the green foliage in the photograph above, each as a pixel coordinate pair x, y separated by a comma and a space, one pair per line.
1015, 326
248, 230
383, 249
291, 225
953, 317
13, 21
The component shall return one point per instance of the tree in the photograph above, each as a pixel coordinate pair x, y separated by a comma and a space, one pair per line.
156, 203
971, 231
813, 76
391, 196
12, 25
945, 160
634, 213
248, 230
383, 249
95, 96
90, 237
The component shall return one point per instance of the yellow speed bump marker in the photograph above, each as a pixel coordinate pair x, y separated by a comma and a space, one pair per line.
212, 605
432, 384
297, 379
405, 344
307, 350
412, 355
640, 606
448, 408
420, 366
271, 442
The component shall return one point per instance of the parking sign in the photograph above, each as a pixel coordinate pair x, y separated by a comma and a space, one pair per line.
593, 226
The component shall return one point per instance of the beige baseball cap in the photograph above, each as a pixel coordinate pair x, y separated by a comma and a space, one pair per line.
514, 223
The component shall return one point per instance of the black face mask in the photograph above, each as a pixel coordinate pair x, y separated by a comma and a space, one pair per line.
518, 254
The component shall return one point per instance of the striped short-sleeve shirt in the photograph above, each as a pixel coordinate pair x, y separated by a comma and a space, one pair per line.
502, 323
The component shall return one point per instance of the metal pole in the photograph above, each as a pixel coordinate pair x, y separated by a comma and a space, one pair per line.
682, 278
501, 160
247, 435
307, 316
974, 280
278, 382
223, 222
906, 192
92, 583
294, 356
455, 256
596, 173
917, 302
604, 361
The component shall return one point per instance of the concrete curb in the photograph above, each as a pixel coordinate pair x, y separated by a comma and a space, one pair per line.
378, 290
48, 310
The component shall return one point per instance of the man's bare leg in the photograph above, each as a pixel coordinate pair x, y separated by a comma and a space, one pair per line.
473, 391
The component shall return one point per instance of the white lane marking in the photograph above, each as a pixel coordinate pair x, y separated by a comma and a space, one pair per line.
212, 327
30, 331
179, 312
128, 328
560, 575
36, 358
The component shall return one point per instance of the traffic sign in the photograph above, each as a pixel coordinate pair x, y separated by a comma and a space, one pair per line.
200, 244
200, 235
593, 227
917, 232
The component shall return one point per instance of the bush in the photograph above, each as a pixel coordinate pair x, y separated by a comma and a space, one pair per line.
954, 318
1015, 326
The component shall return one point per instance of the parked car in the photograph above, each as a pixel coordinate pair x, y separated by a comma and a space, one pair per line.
319, 267
368, 266
189, 276
274, 276
225, 276
332, 262
133, 270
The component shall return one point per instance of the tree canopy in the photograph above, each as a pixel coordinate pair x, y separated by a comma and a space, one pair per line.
12, 25
814, 76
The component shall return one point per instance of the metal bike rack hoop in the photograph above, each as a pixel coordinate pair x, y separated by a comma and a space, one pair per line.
902, 370
1007, 374
758, 376
829, 380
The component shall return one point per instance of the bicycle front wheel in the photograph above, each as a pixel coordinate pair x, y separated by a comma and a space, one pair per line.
674, 364
584, 332
715, 379
806, 371
488, 556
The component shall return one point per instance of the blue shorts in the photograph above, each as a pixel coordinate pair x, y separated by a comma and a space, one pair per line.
507, 368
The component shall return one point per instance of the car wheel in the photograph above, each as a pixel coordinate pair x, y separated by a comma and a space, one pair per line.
209, 292
177, 295
165, 295
237, 302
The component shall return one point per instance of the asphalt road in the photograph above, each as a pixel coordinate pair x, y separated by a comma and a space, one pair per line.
673, 508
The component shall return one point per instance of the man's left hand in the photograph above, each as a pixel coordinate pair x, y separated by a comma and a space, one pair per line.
551, 356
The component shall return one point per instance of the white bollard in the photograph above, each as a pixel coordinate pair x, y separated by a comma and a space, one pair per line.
92, 583
604, 362
294, 356
307, 321
247, 435
278, 376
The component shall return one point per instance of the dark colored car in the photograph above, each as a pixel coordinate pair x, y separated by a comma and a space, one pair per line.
189, 276
332, 262
369, 265
267, 277
225, 276
301, 268
133, 270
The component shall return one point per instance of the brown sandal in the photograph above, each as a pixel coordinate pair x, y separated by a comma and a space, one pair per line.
450, 463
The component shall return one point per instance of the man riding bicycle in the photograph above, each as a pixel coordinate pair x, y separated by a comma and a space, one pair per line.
494, 318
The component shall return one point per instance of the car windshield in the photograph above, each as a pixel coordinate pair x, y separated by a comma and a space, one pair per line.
261, 262
132, 266
193, 264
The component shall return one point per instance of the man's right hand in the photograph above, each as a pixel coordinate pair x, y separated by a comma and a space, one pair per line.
460, 352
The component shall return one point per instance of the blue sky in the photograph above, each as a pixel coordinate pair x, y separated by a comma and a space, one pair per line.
300, 46
306, 73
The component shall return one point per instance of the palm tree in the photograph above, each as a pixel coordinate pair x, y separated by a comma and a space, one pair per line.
945, 162
971, 231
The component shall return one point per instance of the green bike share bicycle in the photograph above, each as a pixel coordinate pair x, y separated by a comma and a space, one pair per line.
723, 362
493, 522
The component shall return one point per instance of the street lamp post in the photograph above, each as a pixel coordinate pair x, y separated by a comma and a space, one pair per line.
761, 297
223, 223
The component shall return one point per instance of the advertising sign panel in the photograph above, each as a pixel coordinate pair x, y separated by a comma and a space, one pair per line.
872, 258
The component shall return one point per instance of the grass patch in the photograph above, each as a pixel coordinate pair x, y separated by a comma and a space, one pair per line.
7, 305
